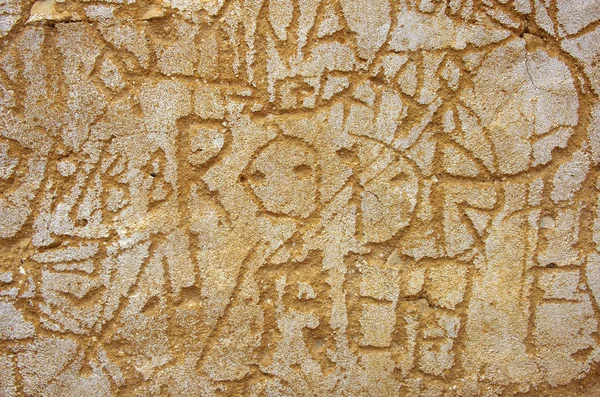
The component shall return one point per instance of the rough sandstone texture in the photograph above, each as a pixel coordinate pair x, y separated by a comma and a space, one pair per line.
299, 198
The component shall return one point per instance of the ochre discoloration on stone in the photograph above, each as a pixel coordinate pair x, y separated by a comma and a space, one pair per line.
299, 198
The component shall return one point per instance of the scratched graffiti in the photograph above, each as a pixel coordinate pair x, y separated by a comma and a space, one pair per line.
299, 198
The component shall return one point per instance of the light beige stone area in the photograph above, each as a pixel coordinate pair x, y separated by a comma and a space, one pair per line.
299, 198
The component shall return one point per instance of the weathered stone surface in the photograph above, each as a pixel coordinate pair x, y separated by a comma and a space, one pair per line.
299, 198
